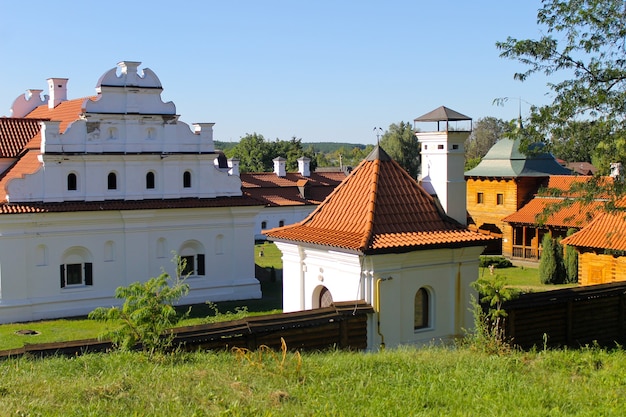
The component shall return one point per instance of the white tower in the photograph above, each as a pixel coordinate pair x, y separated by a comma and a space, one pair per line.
443, 159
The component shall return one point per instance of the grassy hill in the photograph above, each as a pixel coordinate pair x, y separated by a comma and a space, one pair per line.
433, 381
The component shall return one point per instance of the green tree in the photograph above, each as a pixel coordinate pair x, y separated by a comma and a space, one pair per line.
400, 143
571, 261
147, 312
485, 133
254, 154
583, 45
493, 292
551, 267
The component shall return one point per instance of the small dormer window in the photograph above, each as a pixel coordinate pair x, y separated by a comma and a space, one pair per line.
72, 182
112, 181
455, 146
187, 179
439, 146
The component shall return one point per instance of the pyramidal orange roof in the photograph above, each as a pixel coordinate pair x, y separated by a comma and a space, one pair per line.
379, 208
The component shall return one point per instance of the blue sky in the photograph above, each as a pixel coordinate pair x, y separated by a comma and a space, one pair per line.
323, 70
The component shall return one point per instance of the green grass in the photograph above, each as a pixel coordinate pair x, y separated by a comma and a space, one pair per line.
525, 278
272, 257
433, 381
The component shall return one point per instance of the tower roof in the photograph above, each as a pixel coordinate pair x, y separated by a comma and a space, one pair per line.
379, 208
440, 114
504, 159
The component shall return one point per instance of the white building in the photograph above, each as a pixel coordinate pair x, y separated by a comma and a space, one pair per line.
382, 238
105, 190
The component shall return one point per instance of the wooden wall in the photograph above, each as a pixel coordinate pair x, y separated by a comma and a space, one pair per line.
596, 268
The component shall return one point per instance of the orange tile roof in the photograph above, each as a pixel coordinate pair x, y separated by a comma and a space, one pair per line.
15, 133
115, 205
559, 198
577, 214
275, 191
379, 208
28, 163
65, 112
606, 231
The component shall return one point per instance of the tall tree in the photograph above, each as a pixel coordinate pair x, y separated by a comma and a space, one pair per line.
254, 153
584, 46
400, 143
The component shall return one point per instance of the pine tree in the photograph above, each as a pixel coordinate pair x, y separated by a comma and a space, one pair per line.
571, 261
547, 263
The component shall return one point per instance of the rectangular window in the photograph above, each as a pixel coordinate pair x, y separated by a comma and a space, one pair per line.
73, 275
194, 264
479, 198
500, 199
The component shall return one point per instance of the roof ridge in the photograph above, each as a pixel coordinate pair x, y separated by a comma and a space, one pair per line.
371, 207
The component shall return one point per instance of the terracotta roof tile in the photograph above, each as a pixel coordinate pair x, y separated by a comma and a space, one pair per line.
16, 133
65, 112
115, 205
379, 208
606, 231
575, 215
274, 191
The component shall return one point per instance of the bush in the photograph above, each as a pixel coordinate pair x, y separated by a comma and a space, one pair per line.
496, 261
147, 312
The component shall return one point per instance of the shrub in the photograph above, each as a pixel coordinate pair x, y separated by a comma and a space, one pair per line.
147, 312
551, 267
496, 261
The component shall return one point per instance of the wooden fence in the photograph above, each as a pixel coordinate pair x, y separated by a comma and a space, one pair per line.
569, 317
342, 326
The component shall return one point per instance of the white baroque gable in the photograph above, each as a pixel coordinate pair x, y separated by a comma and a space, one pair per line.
128, 130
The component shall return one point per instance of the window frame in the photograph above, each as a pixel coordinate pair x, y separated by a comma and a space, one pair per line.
150, 180
480, 198
112, 181
85, 270
422, 309
72, 182
187, 179
499, 199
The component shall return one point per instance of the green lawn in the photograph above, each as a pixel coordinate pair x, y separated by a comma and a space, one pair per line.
432, 381
525, 278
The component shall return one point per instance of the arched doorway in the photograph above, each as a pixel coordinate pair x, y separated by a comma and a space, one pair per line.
325, 298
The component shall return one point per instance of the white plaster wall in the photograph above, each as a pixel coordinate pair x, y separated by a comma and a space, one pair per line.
445, 273
30, 282
442, 170
273, 215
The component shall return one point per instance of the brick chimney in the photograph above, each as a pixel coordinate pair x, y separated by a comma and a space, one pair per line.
57, 88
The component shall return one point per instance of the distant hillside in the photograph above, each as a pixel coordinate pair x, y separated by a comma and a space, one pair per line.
323, 147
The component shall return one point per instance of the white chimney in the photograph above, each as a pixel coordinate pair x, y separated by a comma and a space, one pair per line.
279, 166
233, 164
304, 167
57, 88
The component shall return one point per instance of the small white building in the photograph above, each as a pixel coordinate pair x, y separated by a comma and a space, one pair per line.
98, 192
382, 238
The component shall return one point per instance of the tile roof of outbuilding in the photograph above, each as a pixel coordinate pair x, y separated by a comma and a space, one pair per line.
65, 112
557, 205
379, 208
606, 231
274, 191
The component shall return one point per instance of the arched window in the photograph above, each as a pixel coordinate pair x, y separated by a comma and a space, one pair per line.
421, 319
150, 180
71, 182
281, 223
112, 181
263, 225
187, 179
76, 269
192, 254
